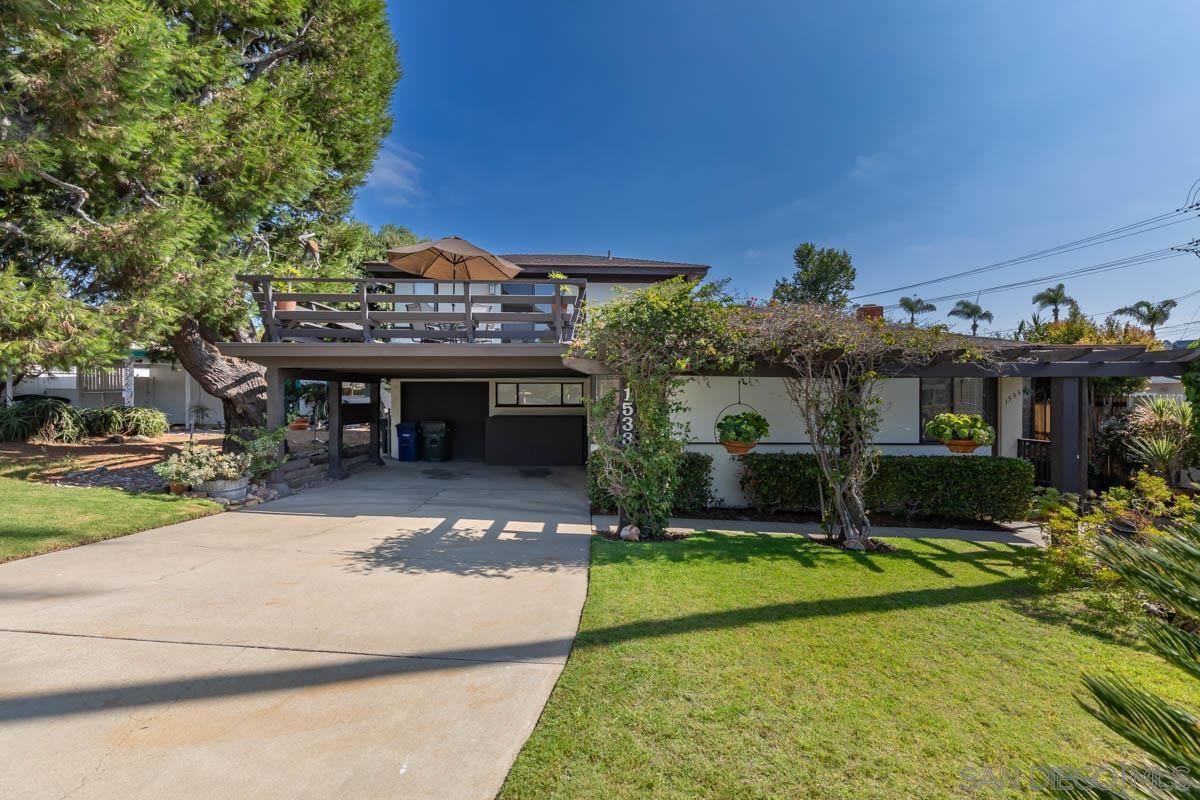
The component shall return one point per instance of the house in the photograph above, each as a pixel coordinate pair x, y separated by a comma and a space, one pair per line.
158, 384
487, 357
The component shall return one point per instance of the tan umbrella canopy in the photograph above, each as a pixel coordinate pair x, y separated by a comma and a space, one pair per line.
452, 259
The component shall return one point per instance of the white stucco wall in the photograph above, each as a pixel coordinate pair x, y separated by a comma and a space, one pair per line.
1011, 394
707, 399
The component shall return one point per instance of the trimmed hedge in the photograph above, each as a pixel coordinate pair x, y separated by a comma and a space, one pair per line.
693, 489
951, 487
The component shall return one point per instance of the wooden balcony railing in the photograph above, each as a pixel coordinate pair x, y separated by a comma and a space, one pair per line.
1036, 452
374, 310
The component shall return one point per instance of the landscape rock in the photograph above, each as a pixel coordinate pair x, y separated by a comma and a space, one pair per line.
116, 439
631, 533
223, 501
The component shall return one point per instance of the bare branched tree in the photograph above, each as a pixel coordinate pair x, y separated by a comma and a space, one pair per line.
836, 363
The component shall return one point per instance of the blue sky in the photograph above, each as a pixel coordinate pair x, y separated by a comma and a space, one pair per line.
924, 137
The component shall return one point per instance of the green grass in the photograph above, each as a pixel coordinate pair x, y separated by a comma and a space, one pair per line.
38, 518
753, 666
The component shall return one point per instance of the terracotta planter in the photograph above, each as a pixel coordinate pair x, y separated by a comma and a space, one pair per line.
285, 305
962, 445
298, 425
738, 448
177, 488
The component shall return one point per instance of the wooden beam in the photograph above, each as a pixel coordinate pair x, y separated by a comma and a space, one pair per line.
1068, 434
333, 399
376, 422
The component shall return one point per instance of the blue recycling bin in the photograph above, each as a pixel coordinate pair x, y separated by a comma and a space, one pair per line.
406, 441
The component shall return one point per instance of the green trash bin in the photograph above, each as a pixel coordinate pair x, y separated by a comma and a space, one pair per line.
436, 436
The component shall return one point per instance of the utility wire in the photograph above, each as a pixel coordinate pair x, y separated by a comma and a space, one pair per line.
1163, 220
1107, 266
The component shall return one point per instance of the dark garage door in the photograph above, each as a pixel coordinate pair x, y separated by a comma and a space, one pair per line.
541, 440
463, 405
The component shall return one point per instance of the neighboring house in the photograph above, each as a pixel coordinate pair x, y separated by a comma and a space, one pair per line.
165, 386
1161, 384
487, 357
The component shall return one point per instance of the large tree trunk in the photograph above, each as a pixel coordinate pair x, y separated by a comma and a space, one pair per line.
240, 385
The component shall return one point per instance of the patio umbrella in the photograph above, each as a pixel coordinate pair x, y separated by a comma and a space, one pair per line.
452, 259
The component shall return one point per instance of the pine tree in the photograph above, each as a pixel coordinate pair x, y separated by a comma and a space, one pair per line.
150, 151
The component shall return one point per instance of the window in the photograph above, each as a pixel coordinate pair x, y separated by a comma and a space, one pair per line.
958, 396
554, 395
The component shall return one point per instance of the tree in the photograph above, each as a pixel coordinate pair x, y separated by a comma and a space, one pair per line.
915, 306
1147, 313
824, 276
835, 363
149, 152
965, 309
1053, 297
1164, 569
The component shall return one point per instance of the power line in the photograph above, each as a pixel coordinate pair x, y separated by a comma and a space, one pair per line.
1107, 266
1132, 229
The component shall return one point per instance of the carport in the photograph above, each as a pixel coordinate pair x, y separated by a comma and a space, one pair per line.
455, 381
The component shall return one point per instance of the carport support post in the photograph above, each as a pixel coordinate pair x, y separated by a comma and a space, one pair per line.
373, 456
276, 412
333, 399
1068, 434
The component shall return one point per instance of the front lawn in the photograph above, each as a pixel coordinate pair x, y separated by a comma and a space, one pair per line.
37, 518
754, 666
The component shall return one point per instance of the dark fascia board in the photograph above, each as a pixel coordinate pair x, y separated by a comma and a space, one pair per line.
321, 360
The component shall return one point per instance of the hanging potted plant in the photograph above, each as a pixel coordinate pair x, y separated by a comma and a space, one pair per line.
961, 433
739, 433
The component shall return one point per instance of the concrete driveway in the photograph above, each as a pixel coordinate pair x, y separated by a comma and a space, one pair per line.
392, 635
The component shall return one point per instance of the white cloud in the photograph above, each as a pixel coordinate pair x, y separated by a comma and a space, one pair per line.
396, 176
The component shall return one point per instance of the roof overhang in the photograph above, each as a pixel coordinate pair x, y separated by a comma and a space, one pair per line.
1020, 361
397, 360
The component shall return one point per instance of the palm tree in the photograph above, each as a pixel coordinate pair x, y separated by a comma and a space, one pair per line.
914, 306
1052, 297
1149, 314
965, 309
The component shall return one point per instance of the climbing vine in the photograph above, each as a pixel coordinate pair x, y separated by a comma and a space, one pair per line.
650, 338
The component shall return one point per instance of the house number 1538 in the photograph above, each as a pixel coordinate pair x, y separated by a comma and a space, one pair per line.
625, 429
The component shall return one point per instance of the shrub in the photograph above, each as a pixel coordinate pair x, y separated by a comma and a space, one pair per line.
1143, 511
692, 490
106, 421
52, 419
262, 448
747, 428
144, 421
964, 427
197, 464
15, 425
948, 487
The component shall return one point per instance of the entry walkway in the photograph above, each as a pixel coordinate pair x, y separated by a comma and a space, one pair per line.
395, 634
1019, 534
